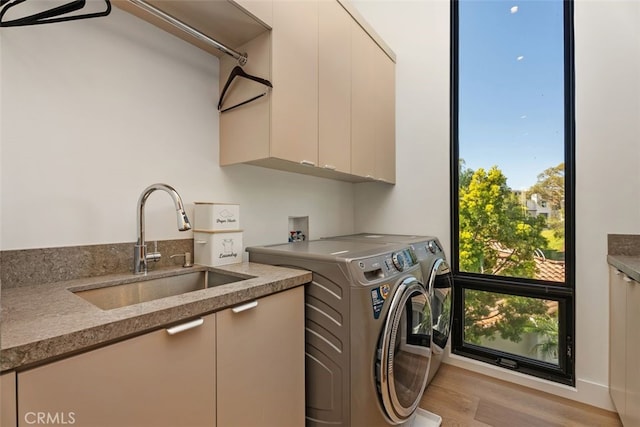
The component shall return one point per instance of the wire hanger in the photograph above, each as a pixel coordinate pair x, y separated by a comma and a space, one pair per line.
239, 72
50, 15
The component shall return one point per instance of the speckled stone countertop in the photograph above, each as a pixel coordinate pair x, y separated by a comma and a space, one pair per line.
624, 254
47, 321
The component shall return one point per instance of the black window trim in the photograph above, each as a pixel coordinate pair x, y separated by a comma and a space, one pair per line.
564, 373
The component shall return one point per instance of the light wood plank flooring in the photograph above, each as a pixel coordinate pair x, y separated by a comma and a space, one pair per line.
466, 398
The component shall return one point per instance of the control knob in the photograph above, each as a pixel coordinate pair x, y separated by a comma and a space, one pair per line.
398, 260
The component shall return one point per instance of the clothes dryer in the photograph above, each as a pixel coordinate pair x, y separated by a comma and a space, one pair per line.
368, 324
437, 276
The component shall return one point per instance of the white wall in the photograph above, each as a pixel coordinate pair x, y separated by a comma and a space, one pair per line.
94, 111
607, 154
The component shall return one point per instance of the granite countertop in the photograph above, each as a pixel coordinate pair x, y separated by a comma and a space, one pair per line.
43, 322
624, 253
628, 264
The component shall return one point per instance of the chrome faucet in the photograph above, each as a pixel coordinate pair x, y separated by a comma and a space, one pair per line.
140, 255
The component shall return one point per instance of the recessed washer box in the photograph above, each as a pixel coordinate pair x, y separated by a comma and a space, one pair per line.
216, 216
214, 248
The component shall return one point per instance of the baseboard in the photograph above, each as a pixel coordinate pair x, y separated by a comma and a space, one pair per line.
588, 392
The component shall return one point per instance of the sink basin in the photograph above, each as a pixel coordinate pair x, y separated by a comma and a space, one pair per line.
110, 297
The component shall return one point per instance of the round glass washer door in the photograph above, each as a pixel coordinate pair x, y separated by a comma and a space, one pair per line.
404, 351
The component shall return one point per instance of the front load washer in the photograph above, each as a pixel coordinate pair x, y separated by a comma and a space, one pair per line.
437, 276
368, 324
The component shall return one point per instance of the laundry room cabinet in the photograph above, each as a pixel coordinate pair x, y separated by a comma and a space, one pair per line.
261, 362
624, 346
156, 379
372, 109
241, 366
331, 112
334, 67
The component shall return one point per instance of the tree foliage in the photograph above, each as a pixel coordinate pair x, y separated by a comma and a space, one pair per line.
550, 188
496, 235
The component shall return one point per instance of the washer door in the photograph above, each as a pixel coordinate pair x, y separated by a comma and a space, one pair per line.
404, 352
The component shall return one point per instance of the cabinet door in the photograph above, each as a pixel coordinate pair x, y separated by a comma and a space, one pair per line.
363, 86
8, 400
294, 108
385, 116
152, 380
334, 107
261, 362
372, 109
633, 350
617, 339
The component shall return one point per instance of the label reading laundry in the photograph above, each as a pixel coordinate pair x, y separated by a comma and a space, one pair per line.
378, 297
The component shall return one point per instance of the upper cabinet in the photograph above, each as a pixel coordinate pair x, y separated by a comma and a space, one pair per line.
334, 85
331, 111
294, 66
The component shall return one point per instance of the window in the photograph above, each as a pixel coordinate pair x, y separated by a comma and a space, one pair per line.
512, 184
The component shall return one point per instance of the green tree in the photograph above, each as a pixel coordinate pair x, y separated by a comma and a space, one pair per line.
488, 314
497, 237
550, 188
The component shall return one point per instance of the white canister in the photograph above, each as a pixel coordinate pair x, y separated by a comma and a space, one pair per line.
216, 216
214, 248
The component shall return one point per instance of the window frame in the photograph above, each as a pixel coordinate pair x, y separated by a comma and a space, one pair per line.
564, 293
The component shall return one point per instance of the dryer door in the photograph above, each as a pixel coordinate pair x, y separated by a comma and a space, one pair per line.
404, 352
441, 286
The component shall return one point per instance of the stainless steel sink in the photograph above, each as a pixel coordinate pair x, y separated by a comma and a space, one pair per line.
110, 297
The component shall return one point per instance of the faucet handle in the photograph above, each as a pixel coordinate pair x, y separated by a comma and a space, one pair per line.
187, 259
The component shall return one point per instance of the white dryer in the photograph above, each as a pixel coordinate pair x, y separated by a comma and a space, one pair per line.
437, 276
368, 326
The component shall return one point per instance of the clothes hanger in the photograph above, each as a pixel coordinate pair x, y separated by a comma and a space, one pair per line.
239, 72
51, 15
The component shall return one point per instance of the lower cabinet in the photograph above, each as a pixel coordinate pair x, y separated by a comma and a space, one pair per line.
157, 379
624, 346
8, 400
243, 366
261, 362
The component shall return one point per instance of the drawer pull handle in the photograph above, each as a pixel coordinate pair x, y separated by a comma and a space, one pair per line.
330, 167
245, 307
201, 242
627, 279
185, 326
307, 163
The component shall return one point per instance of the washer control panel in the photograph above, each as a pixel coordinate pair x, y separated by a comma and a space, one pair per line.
384, 266
401, 260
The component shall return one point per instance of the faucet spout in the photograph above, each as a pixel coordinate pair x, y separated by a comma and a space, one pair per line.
140, 251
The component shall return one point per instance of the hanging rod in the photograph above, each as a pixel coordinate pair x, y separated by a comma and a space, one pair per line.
240, 57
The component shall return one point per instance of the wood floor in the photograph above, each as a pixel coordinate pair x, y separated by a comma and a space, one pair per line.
465, 398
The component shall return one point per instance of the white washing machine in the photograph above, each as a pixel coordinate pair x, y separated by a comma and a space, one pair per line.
368, 326
437, 275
